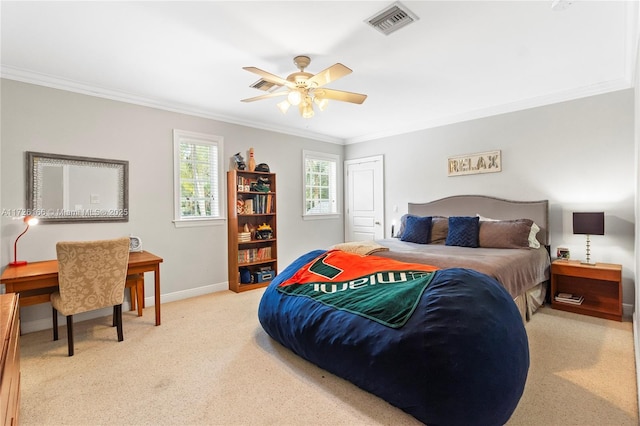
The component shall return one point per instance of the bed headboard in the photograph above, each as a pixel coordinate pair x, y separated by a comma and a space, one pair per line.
495, 208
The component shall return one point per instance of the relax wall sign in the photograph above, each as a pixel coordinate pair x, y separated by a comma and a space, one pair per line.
468, 164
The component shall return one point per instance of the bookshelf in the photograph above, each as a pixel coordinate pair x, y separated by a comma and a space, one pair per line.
252, 234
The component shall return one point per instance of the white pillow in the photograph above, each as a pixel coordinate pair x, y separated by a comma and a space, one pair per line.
533, 241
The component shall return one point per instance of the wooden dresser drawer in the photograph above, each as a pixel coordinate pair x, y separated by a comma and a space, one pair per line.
9, 359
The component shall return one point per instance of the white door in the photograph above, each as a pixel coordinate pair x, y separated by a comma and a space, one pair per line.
364, 193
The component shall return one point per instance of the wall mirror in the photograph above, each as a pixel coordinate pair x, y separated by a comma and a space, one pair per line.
69, 189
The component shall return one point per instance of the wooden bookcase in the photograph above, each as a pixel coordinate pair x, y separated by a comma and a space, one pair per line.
249, 207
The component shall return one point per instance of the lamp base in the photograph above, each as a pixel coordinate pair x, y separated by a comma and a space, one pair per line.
588, 263
18, 263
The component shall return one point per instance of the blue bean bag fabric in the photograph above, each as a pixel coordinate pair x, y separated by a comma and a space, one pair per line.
462, 358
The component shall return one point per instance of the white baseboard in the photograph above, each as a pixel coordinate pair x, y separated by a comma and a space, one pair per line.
47, 323
627, 310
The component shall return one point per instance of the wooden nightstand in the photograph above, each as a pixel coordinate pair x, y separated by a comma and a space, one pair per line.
599, 284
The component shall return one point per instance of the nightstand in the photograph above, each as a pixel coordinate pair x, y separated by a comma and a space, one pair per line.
600, 285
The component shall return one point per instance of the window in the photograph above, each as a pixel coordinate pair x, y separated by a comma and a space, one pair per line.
321, 184
197, 178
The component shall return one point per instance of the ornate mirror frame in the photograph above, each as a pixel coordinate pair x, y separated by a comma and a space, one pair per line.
70, 189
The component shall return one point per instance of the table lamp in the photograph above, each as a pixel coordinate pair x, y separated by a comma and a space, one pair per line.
588, 224
29, 220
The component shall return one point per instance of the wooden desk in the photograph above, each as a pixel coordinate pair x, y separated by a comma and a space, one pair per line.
36, 281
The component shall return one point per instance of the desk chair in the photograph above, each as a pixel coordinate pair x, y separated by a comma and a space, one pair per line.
91, 275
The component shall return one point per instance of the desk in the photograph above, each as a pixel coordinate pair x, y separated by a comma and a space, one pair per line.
36, 281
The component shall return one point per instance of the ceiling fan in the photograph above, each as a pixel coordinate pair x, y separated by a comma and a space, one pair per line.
304, 89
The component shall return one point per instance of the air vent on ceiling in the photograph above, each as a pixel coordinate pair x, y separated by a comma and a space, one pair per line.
392, 18
262, 85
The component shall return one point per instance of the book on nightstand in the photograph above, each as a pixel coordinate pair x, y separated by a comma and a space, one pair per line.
569, 298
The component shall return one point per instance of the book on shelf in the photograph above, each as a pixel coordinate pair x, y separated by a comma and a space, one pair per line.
254, 255
248, 206
569, 298
263, 204
244, 184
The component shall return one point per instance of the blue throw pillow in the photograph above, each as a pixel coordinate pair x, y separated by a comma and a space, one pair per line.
463, 231
417, 229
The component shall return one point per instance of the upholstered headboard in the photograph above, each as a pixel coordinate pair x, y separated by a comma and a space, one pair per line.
495, 208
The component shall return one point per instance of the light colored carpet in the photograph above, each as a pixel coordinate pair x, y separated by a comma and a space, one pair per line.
210, 363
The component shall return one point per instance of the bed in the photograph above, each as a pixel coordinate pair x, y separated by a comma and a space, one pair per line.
524, 271
445, 343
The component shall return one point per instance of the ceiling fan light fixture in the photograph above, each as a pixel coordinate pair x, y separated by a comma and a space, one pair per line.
294, 97
306, 108
321, 102
304, 89
283, 106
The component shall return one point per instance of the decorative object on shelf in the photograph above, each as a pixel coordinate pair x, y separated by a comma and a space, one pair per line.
135, 243
262, 276
262, 184
252, 161
588, 224
29, 221
240, 206
468, 164
563, 253
240, 165
264, 232
245, 276
304, 89
262, 167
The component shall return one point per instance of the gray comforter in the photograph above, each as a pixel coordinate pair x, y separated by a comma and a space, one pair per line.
517, 269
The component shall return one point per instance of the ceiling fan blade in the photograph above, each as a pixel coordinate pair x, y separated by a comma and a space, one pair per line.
272, 78
267, 96
339, 95
332, 73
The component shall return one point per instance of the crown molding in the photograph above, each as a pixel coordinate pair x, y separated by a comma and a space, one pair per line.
40, 79
534, 102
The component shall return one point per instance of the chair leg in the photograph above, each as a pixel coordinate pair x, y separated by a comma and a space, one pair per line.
117, 313
135, 284
132, 296
55, 323
70, 334
140, 295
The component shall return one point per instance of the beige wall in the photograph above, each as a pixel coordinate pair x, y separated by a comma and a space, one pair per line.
579, 155
36, 118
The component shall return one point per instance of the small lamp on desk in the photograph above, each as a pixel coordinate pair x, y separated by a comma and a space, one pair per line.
29, 220
588, 224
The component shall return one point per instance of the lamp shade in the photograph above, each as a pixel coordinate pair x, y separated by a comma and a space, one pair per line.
588, 223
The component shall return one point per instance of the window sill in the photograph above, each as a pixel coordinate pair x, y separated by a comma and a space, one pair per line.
190, 223
320, 216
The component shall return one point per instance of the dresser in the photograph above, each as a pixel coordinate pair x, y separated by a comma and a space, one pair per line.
10, 359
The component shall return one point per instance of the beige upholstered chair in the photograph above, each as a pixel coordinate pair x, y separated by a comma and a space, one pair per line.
91, 275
